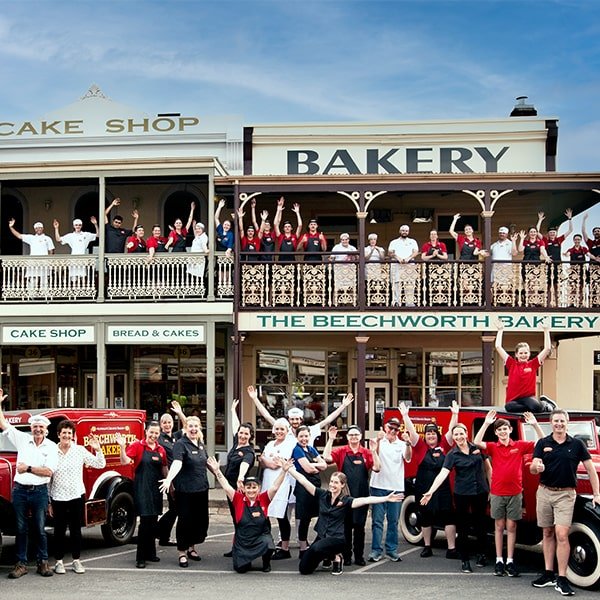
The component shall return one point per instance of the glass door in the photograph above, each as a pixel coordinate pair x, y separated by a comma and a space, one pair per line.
377, 398
116, 391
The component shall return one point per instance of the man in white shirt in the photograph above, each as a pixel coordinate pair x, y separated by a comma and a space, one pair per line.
78, 240
39, 245
402, 252
344, 271
393, 453
503, 250
37, 458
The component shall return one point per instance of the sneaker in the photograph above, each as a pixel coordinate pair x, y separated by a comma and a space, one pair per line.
19, 570
79, 568
546, 579
548, 405
59, 567
452, 553
466, 567
426, 552
337, 568
481, 561
562, 586
326, 564
511, 570
43, 569
394, 556
374, 557
499, 570
281, 554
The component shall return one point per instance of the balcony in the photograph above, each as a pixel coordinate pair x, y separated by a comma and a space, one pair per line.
126, 277
448, 284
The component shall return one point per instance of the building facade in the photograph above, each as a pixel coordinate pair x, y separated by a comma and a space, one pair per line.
124, 329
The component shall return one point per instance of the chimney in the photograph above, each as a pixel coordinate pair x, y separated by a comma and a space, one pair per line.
522, 109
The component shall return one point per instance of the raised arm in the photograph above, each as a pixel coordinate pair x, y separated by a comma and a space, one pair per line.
489, 419
94, 222
253, 214
286, 465
331, 435
260, 407
190, 216
135, 215
498, 344
410, 427
547, 344
374, 448
120, 439
235, 421
176, 408
107, 210
408, 449
305, 483
531, 420
214, 466
264, 216
358, 502
584, 228
240, 215
296, 209
277, 217
521, 245
56, 226
11, 226
3, 422
454, 409
569, 215
452, 229
538, 225
218, 212
346, 401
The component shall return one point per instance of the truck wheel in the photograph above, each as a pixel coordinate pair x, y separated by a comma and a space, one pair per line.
584, 560
409, 521
121, 518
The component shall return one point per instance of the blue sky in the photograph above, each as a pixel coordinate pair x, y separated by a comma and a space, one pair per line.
312, 60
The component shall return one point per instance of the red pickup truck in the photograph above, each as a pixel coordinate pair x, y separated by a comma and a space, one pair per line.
584, 561
109, 491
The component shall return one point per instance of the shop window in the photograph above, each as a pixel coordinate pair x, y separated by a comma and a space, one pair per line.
313, 380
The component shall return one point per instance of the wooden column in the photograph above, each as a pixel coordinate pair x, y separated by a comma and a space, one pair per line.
361, 379
487, 355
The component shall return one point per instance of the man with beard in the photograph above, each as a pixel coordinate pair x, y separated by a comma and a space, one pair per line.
402, 252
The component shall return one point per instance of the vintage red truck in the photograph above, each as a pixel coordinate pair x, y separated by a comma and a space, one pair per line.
584, 561
109, 491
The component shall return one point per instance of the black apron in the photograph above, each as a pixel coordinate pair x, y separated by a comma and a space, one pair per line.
307, 505
428, 470
358, 483
287, 246
313, 248
268, 245
531, 251
467, 252
252, 536
148, 499
179, 243
251, 250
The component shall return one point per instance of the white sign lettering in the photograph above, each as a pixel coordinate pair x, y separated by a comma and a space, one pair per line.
155, 334
75, 334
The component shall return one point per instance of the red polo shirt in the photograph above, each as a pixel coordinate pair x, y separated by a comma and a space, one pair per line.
521, 378
507, 466
339, 453
240, 501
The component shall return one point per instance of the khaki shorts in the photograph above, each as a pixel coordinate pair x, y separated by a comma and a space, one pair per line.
506, 507
555, 507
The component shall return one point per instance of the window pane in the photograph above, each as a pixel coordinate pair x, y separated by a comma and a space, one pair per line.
410, 366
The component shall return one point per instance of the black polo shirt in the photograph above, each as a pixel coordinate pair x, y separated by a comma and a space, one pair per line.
469, 471
115, 238
167, 442
560, 460
192, 477
331, 518
235, 458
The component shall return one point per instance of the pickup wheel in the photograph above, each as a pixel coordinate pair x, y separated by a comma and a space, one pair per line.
409, 521
584, 560
121, 518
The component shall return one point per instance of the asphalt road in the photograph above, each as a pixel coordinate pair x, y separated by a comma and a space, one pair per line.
111, 574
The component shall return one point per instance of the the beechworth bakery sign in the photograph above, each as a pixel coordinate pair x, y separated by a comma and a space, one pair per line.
364, 322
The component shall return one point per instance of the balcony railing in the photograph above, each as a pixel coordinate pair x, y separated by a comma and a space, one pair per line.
454, 284
127, 277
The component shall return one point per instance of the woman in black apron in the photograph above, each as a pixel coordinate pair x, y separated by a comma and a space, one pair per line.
334, 507
307, 462
178, 235
252, 527
150, 464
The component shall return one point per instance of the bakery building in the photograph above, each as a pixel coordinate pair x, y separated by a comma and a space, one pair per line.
123, 329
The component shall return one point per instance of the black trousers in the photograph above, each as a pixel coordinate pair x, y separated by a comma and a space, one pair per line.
320, 550
166, 522
519, 405
192, 522
470, 512
266, 561
354, 531
146, 540
69, 514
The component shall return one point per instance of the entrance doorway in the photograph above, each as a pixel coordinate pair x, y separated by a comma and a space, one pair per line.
116, 391
378, 396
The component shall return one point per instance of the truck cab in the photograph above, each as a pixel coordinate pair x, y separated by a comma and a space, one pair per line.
109, 491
